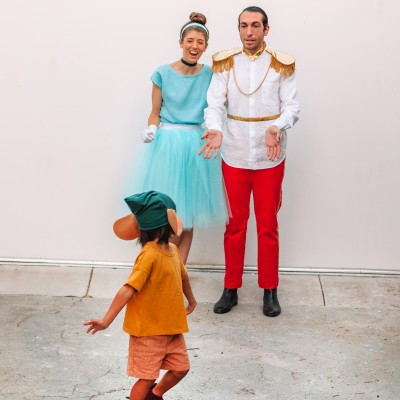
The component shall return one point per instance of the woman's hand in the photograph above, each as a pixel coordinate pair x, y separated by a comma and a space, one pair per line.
149, 133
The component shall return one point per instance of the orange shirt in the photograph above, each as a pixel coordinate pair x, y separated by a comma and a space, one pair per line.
158, 308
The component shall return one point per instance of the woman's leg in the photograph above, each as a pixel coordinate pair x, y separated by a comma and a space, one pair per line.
184, 242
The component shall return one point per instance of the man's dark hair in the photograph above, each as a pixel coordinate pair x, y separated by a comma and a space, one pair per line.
162, 234
257, 10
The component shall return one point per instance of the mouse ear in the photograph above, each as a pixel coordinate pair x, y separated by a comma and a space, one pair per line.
174, 221
127, 228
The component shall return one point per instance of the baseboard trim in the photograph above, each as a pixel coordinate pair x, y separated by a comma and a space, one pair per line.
20, 262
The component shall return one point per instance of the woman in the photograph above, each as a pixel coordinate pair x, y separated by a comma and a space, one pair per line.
178, 102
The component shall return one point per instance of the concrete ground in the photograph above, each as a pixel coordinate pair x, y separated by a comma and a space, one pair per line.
338, 337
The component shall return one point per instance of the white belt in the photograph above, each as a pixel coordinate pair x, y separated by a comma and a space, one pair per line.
165, 125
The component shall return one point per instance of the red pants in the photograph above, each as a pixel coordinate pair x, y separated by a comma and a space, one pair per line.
266, 185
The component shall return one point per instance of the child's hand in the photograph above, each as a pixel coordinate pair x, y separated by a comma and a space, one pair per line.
95, 325
190, 307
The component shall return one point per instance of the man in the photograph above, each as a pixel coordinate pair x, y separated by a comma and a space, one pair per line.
252, 100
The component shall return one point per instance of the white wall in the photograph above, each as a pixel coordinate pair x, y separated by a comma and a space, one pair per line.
75, 95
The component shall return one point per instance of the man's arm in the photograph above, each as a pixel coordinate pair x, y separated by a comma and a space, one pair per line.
215, 112
290, 108
214, 115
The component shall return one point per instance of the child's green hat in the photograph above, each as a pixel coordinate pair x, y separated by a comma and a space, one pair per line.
150, 210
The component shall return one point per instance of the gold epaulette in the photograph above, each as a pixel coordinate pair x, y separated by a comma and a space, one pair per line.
282, 63
223, 60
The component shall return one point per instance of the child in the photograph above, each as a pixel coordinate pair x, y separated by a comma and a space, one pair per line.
155, 316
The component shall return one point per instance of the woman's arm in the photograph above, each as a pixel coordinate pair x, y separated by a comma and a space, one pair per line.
156, 100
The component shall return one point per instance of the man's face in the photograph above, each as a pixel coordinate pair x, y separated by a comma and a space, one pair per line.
251, 30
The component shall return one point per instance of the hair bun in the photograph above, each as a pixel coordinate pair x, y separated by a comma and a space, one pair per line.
198, 17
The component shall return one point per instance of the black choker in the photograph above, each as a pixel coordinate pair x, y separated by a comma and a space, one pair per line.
188, 64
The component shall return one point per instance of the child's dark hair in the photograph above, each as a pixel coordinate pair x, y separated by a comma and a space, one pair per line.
163, 235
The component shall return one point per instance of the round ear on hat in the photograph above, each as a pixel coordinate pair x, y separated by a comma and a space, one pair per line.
174, 221
127, 228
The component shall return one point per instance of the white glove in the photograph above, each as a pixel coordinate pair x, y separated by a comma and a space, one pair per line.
149, 133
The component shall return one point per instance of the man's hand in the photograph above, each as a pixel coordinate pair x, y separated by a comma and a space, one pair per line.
212, 143
273, 141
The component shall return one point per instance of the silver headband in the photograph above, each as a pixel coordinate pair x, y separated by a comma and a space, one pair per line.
191, 25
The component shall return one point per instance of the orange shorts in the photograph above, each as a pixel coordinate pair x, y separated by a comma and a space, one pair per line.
150, 354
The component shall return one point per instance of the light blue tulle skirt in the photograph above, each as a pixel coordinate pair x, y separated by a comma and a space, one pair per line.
170, 164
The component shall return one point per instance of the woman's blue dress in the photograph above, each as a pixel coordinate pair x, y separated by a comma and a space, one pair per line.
171, 163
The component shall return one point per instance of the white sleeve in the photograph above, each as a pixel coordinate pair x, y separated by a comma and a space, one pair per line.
215, 112
290, 107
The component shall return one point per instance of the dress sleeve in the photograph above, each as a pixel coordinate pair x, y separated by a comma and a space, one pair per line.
156, 78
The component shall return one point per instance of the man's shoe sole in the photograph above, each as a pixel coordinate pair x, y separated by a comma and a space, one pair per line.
273, 314
225, 310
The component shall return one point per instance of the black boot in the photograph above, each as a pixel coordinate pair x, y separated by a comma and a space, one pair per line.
228, 299
271, 307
